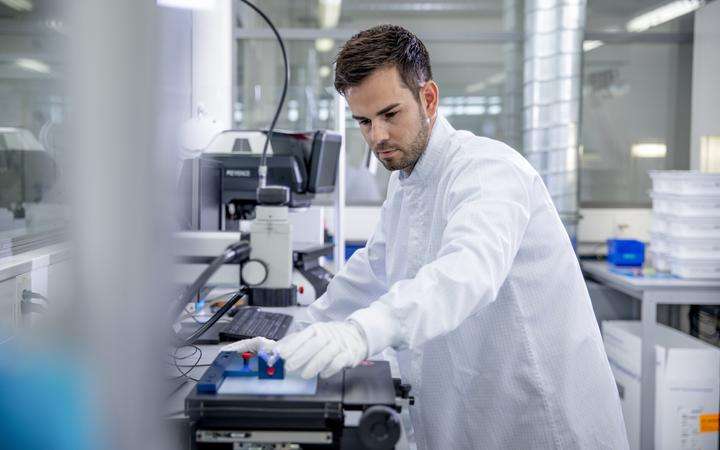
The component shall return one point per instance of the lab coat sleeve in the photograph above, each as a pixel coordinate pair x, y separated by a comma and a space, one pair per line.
487, 209
359, 282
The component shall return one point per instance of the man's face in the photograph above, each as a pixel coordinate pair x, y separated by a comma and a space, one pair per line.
392, 121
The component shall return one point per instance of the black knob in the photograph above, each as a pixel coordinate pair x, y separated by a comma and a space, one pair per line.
379, 428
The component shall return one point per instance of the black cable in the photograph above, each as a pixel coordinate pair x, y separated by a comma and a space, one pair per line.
185, 374
193, 315
237, 252
185, 366
263, 160
216, 298
174, 355
177, 388
190, 340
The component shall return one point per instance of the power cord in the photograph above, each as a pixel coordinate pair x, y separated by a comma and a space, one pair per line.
190, 367
28, 295
190, 340
238, 252
27, 305
262, 170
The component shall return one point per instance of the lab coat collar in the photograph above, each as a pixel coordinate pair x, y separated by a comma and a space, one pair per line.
428, 160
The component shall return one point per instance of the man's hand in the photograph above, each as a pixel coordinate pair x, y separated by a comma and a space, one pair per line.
253, 345
323, 348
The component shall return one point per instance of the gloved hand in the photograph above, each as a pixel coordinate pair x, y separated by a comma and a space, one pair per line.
323, 348
253, 345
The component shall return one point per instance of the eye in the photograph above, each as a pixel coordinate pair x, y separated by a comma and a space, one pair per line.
390, 115
364, 122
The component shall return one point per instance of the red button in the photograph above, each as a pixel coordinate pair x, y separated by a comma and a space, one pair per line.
247, 355
271, 371
301, 289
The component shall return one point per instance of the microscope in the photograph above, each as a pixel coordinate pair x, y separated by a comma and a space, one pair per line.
224, 203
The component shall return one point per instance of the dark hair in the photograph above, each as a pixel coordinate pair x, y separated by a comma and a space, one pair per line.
379, 47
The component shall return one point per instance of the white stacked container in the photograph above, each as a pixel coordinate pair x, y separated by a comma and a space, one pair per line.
685, 233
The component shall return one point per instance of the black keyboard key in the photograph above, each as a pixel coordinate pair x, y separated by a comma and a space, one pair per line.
250, 322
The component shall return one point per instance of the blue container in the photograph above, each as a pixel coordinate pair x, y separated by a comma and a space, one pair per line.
626, 252
353, 246
350, 248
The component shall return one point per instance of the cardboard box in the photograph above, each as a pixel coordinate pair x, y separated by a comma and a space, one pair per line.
687, 385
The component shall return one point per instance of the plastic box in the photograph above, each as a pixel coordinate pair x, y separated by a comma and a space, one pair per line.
692, 248
690, 227
686, 205
658, 224
659, 243
695, 268
660, 261
625, 252
685, 182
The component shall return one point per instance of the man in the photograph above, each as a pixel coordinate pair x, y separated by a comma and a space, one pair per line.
470, 275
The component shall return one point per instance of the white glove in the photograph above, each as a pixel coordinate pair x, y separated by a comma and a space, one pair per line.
323, 348
253, 345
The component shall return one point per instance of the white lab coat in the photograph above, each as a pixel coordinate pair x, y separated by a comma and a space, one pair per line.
471, 275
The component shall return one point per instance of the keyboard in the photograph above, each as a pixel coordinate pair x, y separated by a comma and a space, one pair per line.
250, 322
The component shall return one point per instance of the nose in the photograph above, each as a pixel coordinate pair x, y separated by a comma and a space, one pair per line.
379, 132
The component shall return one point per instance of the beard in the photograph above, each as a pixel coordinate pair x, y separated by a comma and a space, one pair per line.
410, 154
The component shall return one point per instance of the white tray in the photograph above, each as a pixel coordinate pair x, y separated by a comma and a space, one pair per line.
660, 261
688, 227
695, 268
686, 205
685, 182
692, 248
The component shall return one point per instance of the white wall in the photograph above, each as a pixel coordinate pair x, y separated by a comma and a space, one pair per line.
706, 79
213, 62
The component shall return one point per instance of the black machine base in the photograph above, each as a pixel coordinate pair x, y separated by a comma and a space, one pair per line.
273, 297
356, 409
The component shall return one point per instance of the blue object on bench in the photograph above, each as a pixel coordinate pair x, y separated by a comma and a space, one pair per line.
232, 364
626, 252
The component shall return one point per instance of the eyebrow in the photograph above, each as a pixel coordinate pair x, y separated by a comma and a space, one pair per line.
382, 111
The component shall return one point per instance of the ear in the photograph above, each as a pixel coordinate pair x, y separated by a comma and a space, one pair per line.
430, 95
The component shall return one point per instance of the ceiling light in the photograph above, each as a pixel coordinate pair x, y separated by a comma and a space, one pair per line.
329, 13
662, 14
710, 154
648, 150
324, 45
591, 45
497, 78
324, 71
32, 65
18, 5
188, 4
